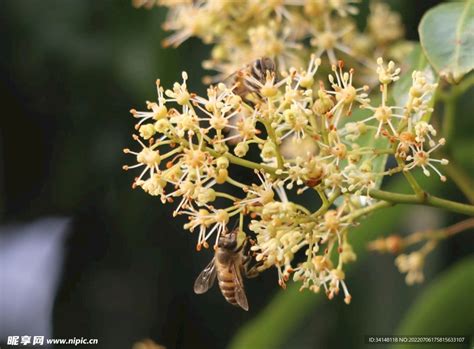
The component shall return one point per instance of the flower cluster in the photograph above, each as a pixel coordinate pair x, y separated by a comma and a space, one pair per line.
298, 134
411, 263
286, 30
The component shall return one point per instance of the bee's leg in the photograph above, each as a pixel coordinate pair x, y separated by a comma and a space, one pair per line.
242, 246
248, 101
245, 246
251, 272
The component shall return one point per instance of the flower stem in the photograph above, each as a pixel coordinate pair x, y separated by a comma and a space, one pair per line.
448, 118
439, 234
236, 160
323, 196
366, 210
227, 196
450, 98
425, 199
411, 180
457, 90
461, 179
235, 183
272, 135
327, 203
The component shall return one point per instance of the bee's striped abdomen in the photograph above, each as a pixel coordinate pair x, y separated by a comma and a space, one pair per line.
226, 282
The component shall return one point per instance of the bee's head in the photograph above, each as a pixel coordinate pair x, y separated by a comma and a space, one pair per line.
228, 240
266, 63
261, 66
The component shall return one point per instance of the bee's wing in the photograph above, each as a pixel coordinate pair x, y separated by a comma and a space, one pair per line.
206, 279
239, 291
230, 79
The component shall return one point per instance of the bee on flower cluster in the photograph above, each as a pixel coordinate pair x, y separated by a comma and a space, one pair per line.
248, 82
294, 132
229, 265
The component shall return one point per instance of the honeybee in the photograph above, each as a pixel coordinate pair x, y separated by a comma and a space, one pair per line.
228, 265
257, 70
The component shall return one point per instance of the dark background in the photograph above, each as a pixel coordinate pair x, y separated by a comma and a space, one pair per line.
70, 71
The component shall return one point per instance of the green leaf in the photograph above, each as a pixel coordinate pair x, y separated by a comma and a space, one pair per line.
284, 314
271, 327
447, 37
451, 293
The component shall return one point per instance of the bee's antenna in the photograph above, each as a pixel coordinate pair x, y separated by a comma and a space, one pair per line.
234, 226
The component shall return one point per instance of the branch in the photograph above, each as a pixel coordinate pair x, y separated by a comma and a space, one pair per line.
426, 199
461, 179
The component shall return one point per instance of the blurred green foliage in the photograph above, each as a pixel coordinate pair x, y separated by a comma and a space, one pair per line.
449, 294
